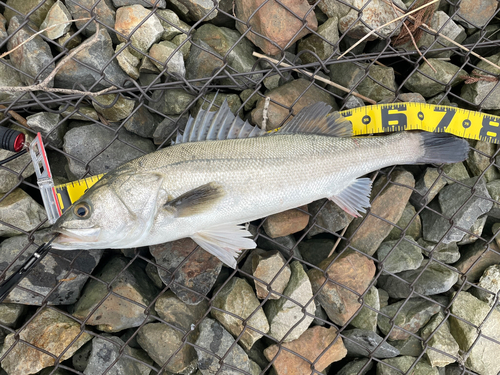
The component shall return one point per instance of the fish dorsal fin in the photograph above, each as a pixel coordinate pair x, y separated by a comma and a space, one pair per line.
314, 120
220, 125
354, 198
225, 242
196, 200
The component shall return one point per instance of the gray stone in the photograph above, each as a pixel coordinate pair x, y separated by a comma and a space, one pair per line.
446, 74
397, 256
439, 337
18, 209
359, 342
270, 273
475, 231
478, 162
285, 245
16, 7
455, 172
427, 187
490, 280
102, 10
99, 56
111, 313
10, 314
202, 62
171, 102
403, 365
57, 22
144, 3
3, 29
446, 253
81, 113
427, 280
474, 13
22, 165
285, 313
168, 128
412, 346
166, 346
451, 200
127, 61
69, 40
330, 219
494, 191
46, 275
195, 10
356, 367
183, 41
10, 77
475, 259
322, 43
175, 312
316, 250
238, 298
52, 332
469, 312
88, 141
48, 122
171, 23
415, 314
233, 101
113, 107
411, 97
496, 233
81, 357
163, 51
141, 122
34, 58
410, 221
216, 342
366, 318
107, 355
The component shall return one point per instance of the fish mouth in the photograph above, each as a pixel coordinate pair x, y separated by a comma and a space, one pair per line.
68, 237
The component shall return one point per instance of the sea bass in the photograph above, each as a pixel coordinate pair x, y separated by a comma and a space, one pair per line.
223, 172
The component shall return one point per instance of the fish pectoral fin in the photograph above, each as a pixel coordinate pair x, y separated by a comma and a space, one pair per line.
355, 197
225, 242
197, 200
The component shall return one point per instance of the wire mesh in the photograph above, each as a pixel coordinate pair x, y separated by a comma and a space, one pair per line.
113, 51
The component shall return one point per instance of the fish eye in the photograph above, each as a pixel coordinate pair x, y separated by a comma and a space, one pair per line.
82, 210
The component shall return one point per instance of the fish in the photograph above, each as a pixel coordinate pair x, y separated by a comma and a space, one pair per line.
223, 172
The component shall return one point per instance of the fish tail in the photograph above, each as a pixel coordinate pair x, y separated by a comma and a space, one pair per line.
442, 148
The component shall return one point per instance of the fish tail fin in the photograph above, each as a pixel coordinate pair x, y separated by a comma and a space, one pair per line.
442, 148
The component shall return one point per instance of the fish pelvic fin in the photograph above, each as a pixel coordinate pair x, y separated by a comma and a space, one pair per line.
355, 198
442, 148
314, 119
196, 201
225, 242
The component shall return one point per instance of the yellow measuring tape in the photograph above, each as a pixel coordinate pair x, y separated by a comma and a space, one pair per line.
381, 118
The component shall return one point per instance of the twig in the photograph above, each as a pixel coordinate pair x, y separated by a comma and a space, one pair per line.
264, 112
17, 116
331, 83
384, 25
337, 242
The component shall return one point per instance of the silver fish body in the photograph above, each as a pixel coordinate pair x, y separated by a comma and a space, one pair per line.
203, 190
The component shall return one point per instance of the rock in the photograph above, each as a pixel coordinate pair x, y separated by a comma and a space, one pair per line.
286, 95
195, 10
22, 165
316, 250
21, 211
127, 61
321, 43
341, 303
494, 191
287, 312
37, 9
274, 22
111, 313
439, 337
318, 345
233, 101
375, 13
367, 235
414, 314
427, 280
427, 187
81, 113
69, 40
167, 129
85, 142
197, 275
396, 256
356, 367
57, 22
163, 51
9, 77
48, 122
113, 107
456, 200
354, 76
10, 314
50, 331
474, 13
102, 10
203, 61
44, 281
81, 357
175, 312
366, 318
410, 221
86, 66
360, 342
34, 58
476, 258
400, 365
446, 253
237, 297
171, 23
183, 41
478, 162
468, 313
328, 217
490, 280
496, 233
286, 222
141, 122
144, 3
107, 355
484, 92
455, 172
171, 102
214, 343
412, 346
285, 245
270, 271
167, 347
446, 74
475, 231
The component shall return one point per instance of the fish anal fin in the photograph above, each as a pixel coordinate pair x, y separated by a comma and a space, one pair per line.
196, 200
225, 242
355, 198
